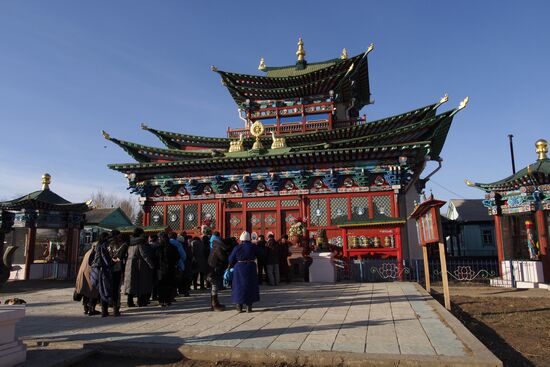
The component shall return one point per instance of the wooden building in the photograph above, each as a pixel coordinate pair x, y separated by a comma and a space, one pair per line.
304, 153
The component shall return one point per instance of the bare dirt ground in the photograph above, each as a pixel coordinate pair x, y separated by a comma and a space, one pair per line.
513, 324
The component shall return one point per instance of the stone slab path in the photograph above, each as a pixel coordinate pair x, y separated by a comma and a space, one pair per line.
382, 320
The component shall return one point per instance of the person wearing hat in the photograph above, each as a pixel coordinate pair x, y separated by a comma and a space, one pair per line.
245, 289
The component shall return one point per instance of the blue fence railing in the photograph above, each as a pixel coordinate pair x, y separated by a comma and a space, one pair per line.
376, 270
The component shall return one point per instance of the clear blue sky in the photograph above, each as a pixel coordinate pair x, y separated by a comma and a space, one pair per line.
69, 69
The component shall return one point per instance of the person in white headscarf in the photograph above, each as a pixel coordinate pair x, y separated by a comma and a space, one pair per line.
245, 289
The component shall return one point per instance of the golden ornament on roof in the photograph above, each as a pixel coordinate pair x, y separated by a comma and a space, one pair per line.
262, 66
236, 145
46, 180
542, 149
469, 183
301, 53
257, 129
344, 54
444, 99
105, 135
463, 103
278, 143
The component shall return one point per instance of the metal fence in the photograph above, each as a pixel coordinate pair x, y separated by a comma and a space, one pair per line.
375, 270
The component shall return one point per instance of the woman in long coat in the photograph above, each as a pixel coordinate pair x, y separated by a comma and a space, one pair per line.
244, 289
83, 286
139, 271
201, 250
101, 273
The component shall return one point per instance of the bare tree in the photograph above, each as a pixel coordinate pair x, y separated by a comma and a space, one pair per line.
130, 206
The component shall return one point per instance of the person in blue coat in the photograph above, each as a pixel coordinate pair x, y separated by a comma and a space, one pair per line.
245, 289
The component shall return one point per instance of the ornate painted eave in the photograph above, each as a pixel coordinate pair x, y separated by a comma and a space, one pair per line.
535, 174
275, 159
175, 140
291, 83
144, 153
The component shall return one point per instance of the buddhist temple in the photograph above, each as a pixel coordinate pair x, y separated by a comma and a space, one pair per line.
520, 206
303, 153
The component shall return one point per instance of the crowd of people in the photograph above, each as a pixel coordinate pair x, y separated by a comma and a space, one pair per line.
164, 266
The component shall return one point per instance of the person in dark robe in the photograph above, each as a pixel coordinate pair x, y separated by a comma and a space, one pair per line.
180, 268
261, 261
101, 273
187, 277
284, 253
201, 250
139, 270
168, 258
245, 289
272, 260
154, 244
217, 261
118, 248
307, 247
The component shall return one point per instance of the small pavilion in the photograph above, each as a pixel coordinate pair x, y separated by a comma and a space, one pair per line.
520, 206
46, 229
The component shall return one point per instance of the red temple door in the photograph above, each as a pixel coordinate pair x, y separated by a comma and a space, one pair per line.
234, 224
288, 219
259, 223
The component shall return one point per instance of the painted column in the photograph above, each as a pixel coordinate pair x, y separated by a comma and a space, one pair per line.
543, 242
498, 234
29, 259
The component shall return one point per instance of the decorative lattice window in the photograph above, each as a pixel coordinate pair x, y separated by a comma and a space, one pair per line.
209, 212
336, 241
234, 204
360, 208
191, 216
338, 210
157, 215
318, 212
173, 216
287, 203
260, 204
382, 206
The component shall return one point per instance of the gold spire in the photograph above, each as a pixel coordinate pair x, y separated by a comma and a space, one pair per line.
46, 180
301, 53
344, 55
262, 66
105, 135
542, 149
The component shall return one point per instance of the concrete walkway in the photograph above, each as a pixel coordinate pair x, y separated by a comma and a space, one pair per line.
382, 323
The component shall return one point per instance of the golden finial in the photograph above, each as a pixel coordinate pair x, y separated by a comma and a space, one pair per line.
301, 53
344, 55
262, 66
213, 68
371, 47
529, 170
278, 143
144, 126
463, 103
46, 180
542, 149
105, 135
444, 99
257, 129
469, 183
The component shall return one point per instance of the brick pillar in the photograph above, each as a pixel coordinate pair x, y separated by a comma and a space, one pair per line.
543, 243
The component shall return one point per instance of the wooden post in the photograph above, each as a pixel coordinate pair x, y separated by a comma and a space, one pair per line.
443, 260
543, 243
31, 239
426, 268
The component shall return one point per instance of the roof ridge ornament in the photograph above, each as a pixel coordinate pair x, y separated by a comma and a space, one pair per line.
144, 126
444, 99
46, 180
463, 103
278, 142
344, 55
257, 129
542, 149
301, 53
371, 47
469, 183
105, 135
213, 68
236, 145
262, 66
